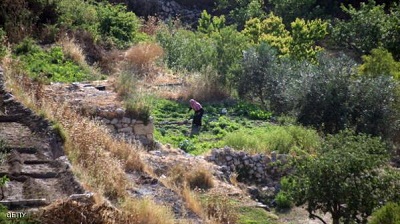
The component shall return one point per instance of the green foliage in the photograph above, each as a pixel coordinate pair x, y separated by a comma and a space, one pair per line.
118, 25
270, 30
347, 179
261, 79
283, 139
208, 24
77, 14
380, 62
283, 200
186, 145
304, 35
49, 64
369, 27
3, 41
242, 10
289, 10
23, 18
388, 214
138, 106
184, 50
229, 45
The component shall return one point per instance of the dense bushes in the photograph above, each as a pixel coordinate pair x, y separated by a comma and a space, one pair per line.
369, 27
388, 214
349, 178
329, 95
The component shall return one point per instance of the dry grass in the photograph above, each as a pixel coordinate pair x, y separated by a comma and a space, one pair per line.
74, 52
98, 160
203, 87
150, 26
200, 178
140, 59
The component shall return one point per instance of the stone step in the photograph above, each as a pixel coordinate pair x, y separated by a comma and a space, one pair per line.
24, 203
26, 150
10, 118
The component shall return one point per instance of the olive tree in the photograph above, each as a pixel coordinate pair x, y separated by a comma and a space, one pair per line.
348, 178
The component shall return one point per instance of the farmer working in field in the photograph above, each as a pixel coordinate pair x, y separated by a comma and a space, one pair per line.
198, 114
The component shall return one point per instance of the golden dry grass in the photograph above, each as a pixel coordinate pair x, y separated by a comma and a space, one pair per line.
98, 160
140, 59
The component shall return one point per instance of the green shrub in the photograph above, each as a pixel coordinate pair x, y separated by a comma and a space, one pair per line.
380, 62
186, 145
208, 24
118, 25
349, 170
3, 42
270, 30
388, 214
305, 34
184, 50
139, 107
369, 27
283, 201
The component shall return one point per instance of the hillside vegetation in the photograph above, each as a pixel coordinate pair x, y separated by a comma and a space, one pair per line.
318, 80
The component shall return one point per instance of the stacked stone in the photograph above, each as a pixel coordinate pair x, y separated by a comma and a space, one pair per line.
259, 168
122, 125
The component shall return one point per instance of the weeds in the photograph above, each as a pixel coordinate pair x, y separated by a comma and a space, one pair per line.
140, 59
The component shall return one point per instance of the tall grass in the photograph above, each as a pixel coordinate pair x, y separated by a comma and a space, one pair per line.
98, 160
282, 139
141, 58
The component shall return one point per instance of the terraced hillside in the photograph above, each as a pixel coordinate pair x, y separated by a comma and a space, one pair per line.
33, 158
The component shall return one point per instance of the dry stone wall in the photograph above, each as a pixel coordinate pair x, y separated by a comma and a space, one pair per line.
258, 168
122, 125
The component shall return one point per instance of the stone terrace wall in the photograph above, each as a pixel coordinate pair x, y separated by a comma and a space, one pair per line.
258, 168
122, 125
98, 101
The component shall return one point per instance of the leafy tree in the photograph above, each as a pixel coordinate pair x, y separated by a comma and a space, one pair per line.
304, 35
380, 62
262, 79
229, 44
270, 30
369, 27
186, 50
208, 24
289, 10
388, 214
348, 179
118, 25
242, 10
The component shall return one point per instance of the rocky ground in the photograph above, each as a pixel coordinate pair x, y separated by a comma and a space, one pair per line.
32, 158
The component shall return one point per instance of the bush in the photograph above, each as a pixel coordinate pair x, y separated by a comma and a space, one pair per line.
200, 178
184, 50
141, 58
186, 145
369, 27
3, 44
283, 201
118, 25
138, 107
350, 172
388, 214
379, 62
